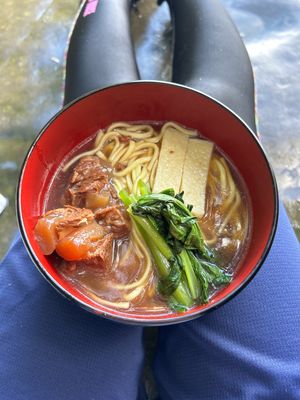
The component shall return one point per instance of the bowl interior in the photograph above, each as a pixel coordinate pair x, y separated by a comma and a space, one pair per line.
148, 101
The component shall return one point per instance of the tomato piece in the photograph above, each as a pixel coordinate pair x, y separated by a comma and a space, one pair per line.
78, 244
58, 223
72, 250
45, 234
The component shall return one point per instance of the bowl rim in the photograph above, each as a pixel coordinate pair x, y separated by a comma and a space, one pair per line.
130, 319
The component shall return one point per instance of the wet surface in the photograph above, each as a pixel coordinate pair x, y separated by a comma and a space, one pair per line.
33, 42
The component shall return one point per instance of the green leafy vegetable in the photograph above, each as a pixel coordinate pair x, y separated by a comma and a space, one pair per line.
191, 277
175, 306
185, 264
179, 222
167, 285
208, 275
163, 258
143, 188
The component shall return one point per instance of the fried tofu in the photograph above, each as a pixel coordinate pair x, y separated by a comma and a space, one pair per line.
195, 172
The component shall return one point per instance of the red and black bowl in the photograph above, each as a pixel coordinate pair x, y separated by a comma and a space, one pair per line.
148, 101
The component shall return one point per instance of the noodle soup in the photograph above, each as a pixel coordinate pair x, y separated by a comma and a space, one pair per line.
120, 227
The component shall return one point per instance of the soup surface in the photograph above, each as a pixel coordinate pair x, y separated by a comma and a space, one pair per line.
118, 233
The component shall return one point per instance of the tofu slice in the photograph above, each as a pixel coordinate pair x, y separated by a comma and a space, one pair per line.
171, 160
195, 172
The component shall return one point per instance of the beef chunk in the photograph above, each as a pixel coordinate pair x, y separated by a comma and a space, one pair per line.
76, 236
115, 218
88, 177
101, 253
71, 219
56, 224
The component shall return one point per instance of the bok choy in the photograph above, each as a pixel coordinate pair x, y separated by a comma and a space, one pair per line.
185, 264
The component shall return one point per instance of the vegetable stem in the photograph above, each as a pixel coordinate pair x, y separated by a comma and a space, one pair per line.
155, 237
143, 188
125, 197
163, 267
192, 281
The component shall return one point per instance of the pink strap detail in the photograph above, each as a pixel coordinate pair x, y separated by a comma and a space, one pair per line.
90, 7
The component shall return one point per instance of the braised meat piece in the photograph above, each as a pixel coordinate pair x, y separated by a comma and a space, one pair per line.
115, 218
56, 224
75, 235
88, 177
85, 235
90, 244
100, 253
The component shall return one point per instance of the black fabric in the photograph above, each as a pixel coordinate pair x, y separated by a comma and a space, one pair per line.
209, 55
100, 52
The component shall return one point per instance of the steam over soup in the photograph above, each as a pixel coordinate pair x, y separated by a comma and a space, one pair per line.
151, 219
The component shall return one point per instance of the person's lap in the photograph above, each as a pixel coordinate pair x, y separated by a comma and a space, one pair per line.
52, 349
249, 348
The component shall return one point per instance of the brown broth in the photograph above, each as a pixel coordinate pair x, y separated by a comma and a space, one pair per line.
231, 244
90, 279
229, 247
